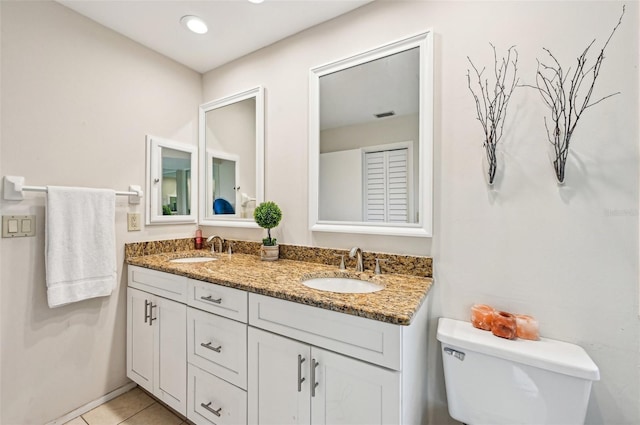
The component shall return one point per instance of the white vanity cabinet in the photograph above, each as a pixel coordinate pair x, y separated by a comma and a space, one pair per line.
222, 356
156, 346
291, 382
306, 367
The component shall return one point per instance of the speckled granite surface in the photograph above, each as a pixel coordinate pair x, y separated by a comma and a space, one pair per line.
137, 249
395, 263
397, 303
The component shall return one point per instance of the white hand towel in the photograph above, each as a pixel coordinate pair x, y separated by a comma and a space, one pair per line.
80, 246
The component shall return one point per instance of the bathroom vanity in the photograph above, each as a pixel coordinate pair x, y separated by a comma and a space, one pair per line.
239, 341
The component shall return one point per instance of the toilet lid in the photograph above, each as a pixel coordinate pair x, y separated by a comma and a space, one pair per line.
556, 356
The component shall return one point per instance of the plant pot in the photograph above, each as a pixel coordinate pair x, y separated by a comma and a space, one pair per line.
269, 253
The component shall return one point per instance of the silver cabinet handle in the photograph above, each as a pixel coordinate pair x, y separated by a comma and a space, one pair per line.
146, 312
210, 299
300, 378
314, 384
151, 318
208, 345
215, 412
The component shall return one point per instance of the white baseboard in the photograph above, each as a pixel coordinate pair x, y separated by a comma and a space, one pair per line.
93, 404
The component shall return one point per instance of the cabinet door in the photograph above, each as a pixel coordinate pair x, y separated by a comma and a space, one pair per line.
351, 392
139, 339
170, 353
278, 392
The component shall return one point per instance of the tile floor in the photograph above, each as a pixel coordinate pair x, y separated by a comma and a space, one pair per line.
134, 407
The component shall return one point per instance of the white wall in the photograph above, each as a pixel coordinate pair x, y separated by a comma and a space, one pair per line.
77, 101
340, 189
567, 255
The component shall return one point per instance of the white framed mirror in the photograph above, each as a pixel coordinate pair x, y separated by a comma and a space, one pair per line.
371, 141
231, 142
171, 183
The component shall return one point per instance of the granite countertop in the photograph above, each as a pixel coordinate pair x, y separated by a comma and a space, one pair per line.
397, 303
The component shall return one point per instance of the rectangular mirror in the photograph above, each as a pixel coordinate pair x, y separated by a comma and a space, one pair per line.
170, 184
232, 158
371, 141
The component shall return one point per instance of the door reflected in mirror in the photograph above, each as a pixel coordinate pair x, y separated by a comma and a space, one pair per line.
176, 182
232, 152
371, 141
170, 185
225, 175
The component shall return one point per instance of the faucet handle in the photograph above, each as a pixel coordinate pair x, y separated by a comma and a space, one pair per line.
378, 270
342, 266
229, 245
212, 239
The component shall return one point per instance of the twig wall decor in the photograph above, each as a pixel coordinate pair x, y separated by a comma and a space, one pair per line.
567, 96
493, 100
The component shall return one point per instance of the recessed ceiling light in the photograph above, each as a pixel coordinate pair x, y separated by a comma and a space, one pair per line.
256, 1
194, 24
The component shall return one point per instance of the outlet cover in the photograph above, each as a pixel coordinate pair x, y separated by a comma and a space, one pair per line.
133, 222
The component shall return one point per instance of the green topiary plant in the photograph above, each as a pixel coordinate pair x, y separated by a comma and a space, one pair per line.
268, 216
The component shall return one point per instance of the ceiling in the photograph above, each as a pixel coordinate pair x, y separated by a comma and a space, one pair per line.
236, 27
355, 95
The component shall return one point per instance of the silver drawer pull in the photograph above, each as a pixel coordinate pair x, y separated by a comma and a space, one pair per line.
215, 412
146, 311
300, 378
151, 318
455, 353
314, 384
208, 345
210, 299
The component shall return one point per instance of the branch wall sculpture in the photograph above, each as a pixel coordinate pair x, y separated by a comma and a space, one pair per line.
492, 103
568, 95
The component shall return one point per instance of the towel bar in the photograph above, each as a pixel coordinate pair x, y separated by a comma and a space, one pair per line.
14, 186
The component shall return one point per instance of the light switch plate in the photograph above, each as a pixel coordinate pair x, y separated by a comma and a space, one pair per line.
133, 222
18, 226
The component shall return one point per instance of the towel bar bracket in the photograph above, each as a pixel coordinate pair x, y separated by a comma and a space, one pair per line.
12, 190
135, 199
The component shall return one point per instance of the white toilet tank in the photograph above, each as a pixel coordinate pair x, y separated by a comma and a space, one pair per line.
491, 380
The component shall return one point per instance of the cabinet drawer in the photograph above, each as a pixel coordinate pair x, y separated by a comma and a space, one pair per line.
227, 302
214, 401
369, 340
166, 285
218, 345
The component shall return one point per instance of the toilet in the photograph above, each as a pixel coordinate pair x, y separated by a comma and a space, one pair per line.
491, 380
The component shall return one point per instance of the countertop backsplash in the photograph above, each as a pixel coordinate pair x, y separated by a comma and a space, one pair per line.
397, 264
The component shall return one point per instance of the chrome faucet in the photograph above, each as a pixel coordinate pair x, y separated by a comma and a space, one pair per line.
213, 246
357, 253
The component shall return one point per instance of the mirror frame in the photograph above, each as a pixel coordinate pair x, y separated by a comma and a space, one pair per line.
154, 171
258, 94
424, 227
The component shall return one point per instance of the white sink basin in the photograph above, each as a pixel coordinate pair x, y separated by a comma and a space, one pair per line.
193, 260
342, 285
